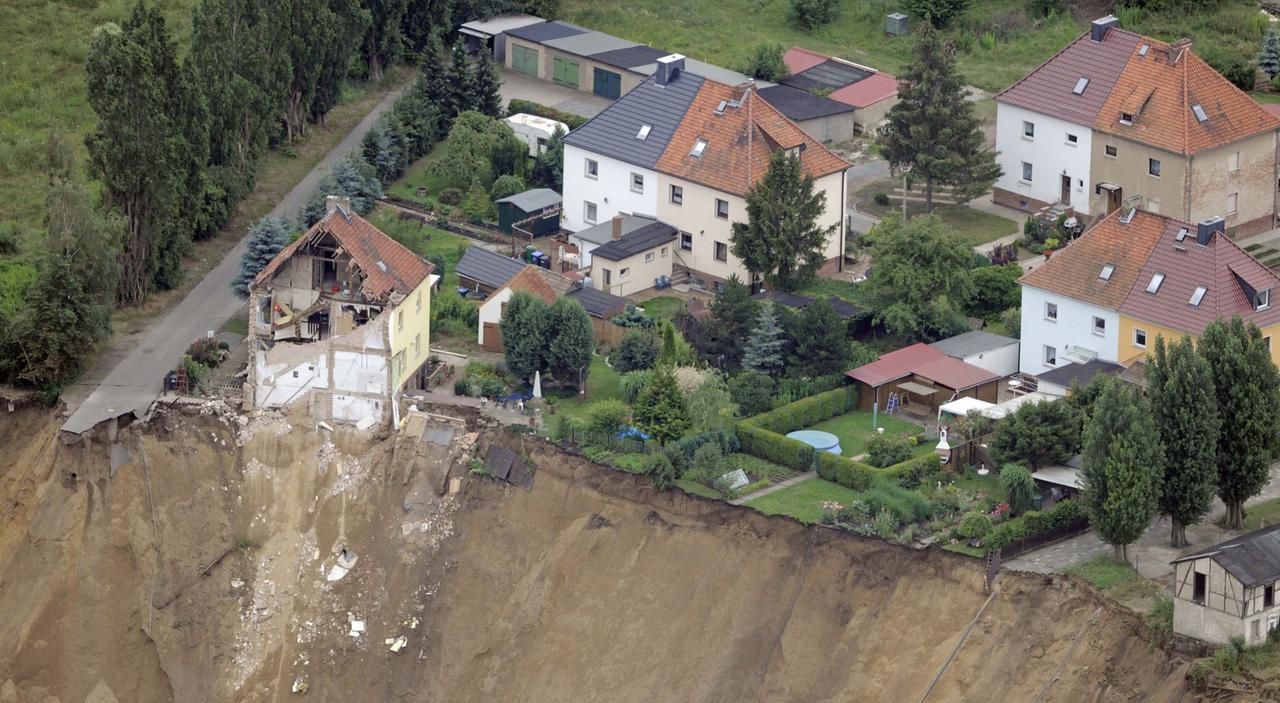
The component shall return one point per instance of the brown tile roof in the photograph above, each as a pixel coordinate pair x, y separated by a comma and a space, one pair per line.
739, 141
530, 281
388, 266
1074, 270
1049, 88
558, 282
1226, 271
1161, 92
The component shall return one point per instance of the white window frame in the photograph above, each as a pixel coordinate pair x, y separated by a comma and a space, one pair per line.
1111, 151
1028, 130
683, 245
637, 177
591, 169
1233, 204
1139, 344
664, 252
1233, 162
1154, 167
725, 216
676, 195
1262, 299
648, 257
1099, 326
587, 208
623, 273
1028, 172
1050, 357
715, 251
1072, 140
1051, 311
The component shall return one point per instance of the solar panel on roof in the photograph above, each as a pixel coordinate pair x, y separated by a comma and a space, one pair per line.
1198, 295
1080, 86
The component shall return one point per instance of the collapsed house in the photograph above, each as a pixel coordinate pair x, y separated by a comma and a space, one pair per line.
340, 317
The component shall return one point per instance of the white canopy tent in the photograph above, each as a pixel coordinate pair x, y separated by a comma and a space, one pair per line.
961, 407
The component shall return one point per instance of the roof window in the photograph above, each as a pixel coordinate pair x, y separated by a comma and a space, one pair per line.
698, 147
1126, 118
1156, 280
1106, 272
1182, 234
1142, 50
644, 131
1199, 111
1080, 86
1197, 296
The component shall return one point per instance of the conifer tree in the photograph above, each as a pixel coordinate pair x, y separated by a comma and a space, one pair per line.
548, 168
459, 80
1269, 57
733, 312
932, 130
1185, 410
1123, 463
486, 86
265, 239
821, 340
764, 347
781, 239
660, 410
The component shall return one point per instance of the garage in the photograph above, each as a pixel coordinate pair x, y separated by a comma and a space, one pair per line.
606, 84
524, 60
565, 72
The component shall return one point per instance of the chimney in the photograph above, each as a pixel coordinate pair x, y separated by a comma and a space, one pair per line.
617, 227
1177, 48
335, 202
669, 68
1206, 228
1098, 31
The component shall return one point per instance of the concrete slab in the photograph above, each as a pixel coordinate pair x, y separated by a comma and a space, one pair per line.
524, 87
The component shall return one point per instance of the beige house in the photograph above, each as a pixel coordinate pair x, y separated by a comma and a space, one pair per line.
634, 262
1229, 589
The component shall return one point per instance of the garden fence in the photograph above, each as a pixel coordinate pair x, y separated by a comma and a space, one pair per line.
621, 445
1041, 539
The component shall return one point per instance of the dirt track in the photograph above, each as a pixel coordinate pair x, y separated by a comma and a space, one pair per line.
588, 587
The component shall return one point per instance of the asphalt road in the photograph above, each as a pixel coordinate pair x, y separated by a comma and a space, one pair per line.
138, 378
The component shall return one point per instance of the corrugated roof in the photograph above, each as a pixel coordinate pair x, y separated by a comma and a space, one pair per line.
800, 105
641, 240
629, 57
1081, 374
921, 360
1049, 88
546, 31
598, 303
970, 343
613, 131
1254, 558
828, 74
501, 23
1073, 270
488, 267
388, 266
533, 200
800, 59
588, 43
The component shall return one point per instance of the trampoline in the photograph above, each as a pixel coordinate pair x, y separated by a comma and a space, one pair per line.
822, 441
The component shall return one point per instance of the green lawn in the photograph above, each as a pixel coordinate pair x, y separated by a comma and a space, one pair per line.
1262, 515
418, 175
803, 501
602, 383
831, 288
423, 240
698, 489
989, 484
974, 226
1119, 581
854, 430
663, 307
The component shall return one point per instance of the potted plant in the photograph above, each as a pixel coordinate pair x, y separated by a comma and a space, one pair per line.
1050, 245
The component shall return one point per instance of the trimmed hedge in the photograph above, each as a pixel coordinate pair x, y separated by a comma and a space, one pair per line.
857, 475
807, 412
1033, 523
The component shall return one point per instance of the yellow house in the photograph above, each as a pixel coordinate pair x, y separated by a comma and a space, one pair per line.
340, 319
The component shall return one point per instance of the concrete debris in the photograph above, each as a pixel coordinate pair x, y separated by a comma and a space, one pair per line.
299, 685
346, 562
322, 425
366, 423
357, 626
237, 583
395, 644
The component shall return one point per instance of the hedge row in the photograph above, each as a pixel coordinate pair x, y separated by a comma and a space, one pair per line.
1033, 523
857, 475
807, 412
530, 107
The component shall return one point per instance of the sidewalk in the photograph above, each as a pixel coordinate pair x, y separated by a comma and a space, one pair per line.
775, 488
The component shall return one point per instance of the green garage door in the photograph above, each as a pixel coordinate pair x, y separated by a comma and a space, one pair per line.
524, 60
565, 72
607, 84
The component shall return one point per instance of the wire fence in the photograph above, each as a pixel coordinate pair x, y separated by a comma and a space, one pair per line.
621, 445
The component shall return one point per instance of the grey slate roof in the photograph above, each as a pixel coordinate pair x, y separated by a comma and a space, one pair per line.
533, 200
545, 31
828, 74
603, 232
970, 343
598, 303
843, 308
799, 105
642, 240
588, 43
1048, 89
1254, 558
487, 267
629, 57
706, 70
613, 132
1082, 374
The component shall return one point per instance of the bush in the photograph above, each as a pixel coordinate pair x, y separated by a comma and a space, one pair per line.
1160, 623
752, 391
1016, 480
450, 196
1226, 659
204, 352
633, 382
707, 463
1033, 523
886, 450
881, 199
506, 186
974, 525
607, 416
681, 451
1012, 321
812, 14
662, 473
491, 386
636, 351
767, 64
462, 386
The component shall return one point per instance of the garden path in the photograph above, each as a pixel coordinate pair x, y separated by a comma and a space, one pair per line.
775, 487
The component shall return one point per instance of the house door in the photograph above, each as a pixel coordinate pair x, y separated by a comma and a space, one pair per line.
608, 279
1113, 200
492, 337
524, 60
606, 84
565, 72
1065, 198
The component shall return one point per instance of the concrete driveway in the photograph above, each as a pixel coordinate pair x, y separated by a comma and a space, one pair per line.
524, 87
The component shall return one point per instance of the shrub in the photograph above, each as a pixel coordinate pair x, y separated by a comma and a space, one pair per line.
607, 416
752, 391
451, 196
974, 525
1010, 531
812, 14
1160, 622
886, 450
1016, 480
633, 382
881, 199
204, 352
462, 386
681, 451
707, 463
1226, 659
845, 472
662, 473
506, 186
906, 506
491, 386
635, 352
766, 63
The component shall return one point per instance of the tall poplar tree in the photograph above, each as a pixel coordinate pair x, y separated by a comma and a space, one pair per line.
1122, 466
384, 37
1247, 387
571, 341
932, 129
1185, 410
781, 239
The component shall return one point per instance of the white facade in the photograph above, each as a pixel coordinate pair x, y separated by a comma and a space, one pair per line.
491, 311
1055, 149
1002, 362
1054, 324
615, 187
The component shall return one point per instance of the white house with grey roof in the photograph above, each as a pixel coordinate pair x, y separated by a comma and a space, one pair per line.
1229, 589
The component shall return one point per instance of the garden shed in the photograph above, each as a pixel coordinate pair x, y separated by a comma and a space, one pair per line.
602, 307
918, 379
482, 271
532, 213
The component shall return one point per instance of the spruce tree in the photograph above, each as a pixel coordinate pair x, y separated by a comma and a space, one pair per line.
1123, 463
1269, 57
660, 409
1247, 387
265, 239
459, 95
733, 315
486, 86
357, 180
764, 347
669, 355
571, 343
781, 239
932, 130
821, 340
1186, 414
548, 168
433, 88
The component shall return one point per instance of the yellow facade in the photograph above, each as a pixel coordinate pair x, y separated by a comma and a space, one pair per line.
410, 332
1131, 351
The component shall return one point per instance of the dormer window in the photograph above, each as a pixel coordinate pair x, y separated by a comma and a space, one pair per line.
1156, 280
1197, 296
1126, 118
1106, 272
1262, 299
644, 132
698, 147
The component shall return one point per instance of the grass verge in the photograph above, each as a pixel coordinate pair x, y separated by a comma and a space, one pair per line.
854, 430
1119, 581
803, 501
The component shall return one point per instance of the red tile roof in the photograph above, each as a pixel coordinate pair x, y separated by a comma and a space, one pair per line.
1226, 271
922, 360
868, 91
1049, 89
799, 59
739, 140
387, 265
530, 281
1074, 270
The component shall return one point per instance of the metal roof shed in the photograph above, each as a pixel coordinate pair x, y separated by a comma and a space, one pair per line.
490, 35
534, 212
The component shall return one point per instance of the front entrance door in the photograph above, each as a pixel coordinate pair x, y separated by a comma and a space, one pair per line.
606, 84
565, 72
492, 337
1065, 198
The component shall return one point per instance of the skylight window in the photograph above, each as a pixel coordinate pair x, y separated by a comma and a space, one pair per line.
1199, 111
1198, 295
1106, 272
1080, 86
1126, 118
1142, 50
1154, 285
644, 131
1182, 234
698, 147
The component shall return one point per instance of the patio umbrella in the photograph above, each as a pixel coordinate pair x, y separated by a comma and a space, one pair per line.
537, 384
